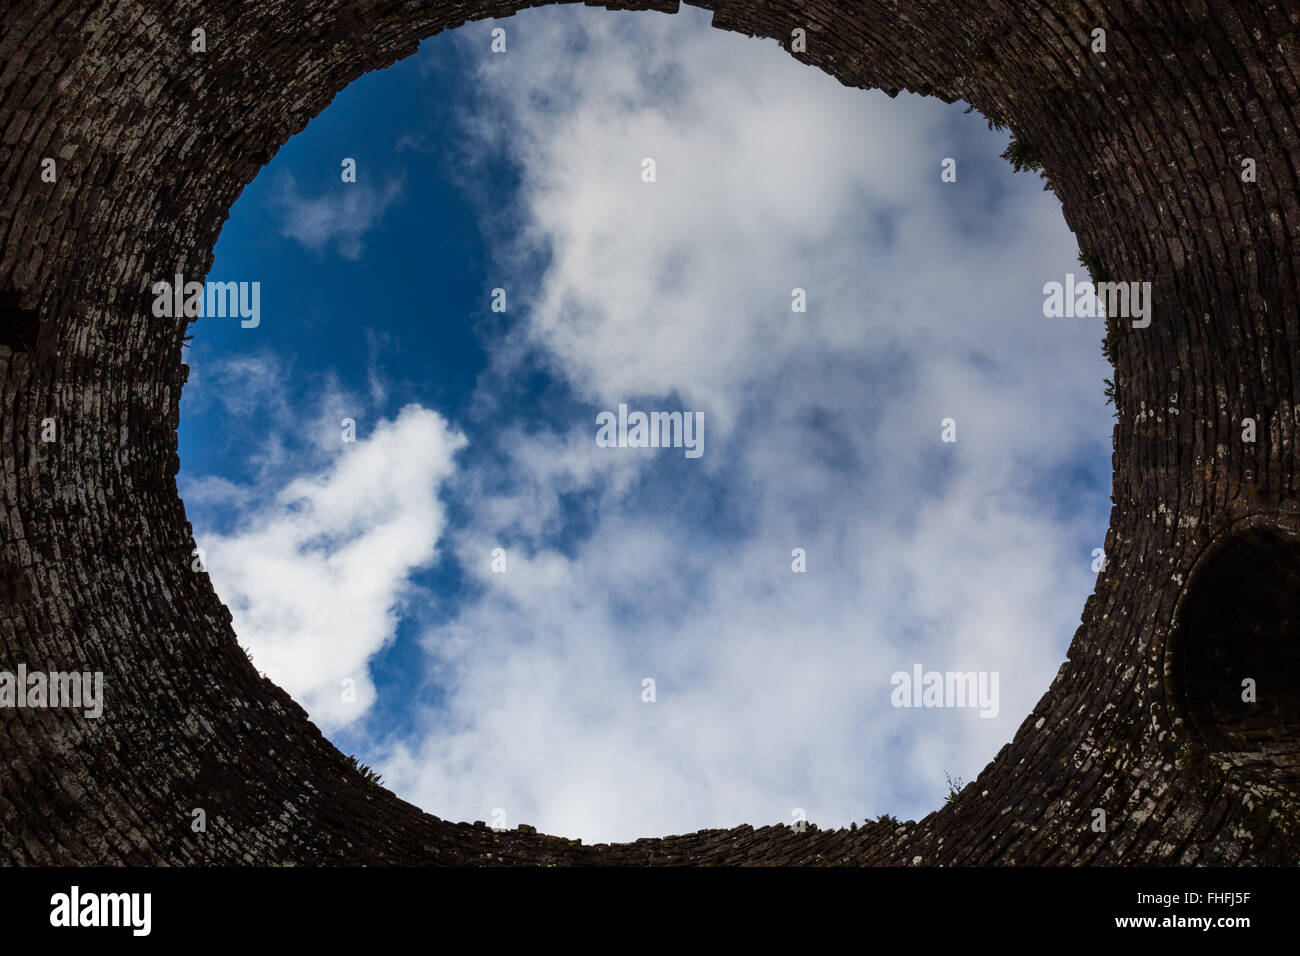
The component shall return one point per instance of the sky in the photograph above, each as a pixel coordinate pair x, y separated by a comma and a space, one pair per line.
827, 537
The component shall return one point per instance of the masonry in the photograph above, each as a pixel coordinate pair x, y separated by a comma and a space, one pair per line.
1144, 144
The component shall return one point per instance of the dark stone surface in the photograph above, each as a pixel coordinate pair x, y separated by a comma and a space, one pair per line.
153, 144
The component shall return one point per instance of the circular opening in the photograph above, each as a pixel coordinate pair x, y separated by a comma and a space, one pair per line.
833, 604
1238, 656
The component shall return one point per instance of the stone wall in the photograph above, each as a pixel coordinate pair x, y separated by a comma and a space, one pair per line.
152, 144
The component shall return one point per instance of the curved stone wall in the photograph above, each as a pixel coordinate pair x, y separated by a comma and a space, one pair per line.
151, 144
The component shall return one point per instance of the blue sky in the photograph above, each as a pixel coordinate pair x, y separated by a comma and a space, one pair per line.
371, 561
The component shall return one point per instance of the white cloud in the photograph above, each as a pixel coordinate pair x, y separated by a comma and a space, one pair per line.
264, 424
340, 217
315, 574
924, 302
